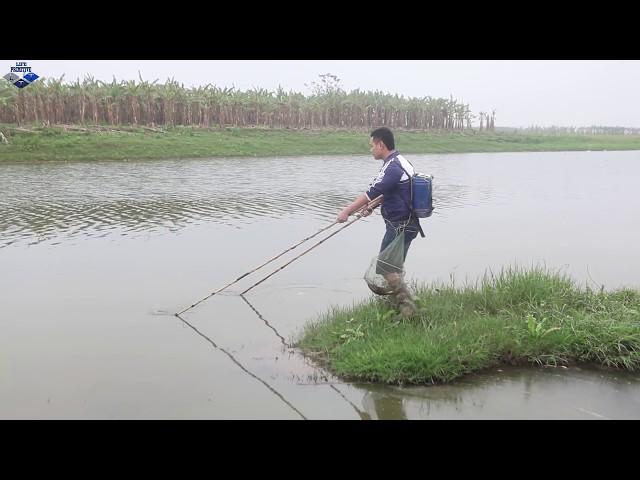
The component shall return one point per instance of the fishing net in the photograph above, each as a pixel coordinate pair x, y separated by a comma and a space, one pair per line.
390, 260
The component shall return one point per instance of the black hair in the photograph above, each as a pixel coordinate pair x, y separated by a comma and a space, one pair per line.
386, 135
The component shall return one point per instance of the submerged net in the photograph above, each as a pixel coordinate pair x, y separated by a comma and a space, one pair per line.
390, 260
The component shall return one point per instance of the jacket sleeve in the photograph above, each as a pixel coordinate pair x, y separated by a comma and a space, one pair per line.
386, 180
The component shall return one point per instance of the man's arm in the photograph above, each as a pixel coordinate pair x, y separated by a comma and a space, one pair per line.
356, 205
385, 182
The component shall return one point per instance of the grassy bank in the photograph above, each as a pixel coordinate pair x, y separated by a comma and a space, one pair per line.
516, 317
94, 143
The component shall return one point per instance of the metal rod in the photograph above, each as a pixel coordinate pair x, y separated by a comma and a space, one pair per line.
375, 202
257, 268
372, 204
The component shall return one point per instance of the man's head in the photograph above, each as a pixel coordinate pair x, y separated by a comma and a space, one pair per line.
382, 143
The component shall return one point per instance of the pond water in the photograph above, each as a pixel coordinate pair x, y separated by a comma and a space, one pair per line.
95, 257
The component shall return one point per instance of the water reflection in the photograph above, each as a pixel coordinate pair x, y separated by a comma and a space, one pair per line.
242, 367
316, 373
382, 406
513, 393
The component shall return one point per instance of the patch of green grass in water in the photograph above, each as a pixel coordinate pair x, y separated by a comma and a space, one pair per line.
518, 316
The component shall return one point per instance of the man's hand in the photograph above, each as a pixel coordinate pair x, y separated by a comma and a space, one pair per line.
343, 217
366, 212
356, 206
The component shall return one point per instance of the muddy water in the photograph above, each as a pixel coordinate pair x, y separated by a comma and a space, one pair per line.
96, 256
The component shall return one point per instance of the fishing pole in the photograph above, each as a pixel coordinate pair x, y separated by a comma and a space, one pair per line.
270, 260
359, 215
257, 268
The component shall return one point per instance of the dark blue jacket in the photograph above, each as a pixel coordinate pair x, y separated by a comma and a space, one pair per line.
395, 185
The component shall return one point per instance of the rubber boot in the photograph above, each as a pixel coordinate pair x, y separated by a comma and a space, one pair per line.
402, 296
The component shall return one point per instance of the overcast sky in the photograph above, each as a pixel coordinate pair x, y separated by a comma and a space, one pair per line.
523, 92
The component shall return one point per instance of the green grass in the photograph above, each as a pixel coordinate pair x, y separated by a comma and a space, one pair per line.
520, 316
54, 143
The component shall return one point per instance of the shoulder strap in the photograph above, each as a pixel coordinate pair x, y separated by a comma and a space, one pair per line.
410, 177
395, 157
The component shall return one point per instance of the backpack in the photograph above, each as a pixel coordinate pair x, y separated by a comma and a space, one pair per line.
421, 193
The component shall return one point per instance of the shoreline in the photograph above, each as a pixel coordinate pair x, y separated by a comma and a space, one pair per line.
74, 142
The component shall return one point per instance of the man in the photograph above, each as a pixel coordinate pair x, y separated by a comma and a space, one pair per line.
394, 184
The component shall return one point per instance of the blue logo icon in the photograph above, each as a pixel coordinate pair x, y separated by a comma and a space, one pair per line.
27, 78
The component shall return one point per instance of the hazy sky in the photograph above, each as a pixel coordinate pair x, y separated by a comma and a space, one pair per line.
523, 92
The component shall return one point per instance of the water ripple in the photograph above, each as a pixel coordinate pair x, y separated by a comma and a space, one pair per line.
54, 201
